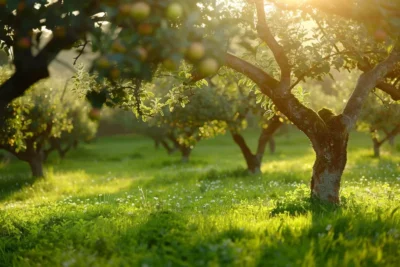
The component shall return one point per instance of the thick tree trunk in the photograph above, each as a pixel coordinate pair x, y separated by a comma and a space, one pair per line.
272, 145
185, 152
36, 164
331, 158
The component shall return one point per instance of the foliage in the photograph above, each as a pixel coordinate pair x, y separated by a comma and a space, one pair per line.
38, 123
34, 118
131, 38
379, 114
203, 116
83, 127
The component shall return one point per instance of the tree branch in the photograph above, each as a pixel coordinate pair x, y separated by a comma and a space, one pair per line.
266, 35
273, 125
389, 89
367, 81
257, 75
303, 117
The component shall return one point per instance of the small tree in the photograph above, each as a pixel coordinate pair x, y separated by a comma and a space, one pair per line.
31, 121
246, 100
380, 119
202, 117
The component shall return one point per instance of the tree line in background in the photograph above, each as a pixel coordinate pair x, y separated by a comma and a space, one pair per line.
276, 45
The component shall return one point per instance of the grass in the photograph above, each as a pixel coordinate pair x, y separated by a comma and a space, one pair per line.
118, 202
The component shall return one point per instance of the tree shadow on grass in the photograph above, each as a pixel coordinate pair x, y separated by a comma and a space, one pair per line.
9, 184
173, 241
214, 174
335, 233
177, 163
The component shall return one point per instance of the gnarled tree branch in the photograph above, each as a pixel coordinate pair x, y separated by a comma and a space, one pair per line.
367, 81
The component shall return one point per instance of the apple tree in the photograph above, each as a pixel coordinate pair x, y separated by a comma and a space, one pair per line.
339, 35
131, 38
246, 100
380, 116
201, 116
32, 120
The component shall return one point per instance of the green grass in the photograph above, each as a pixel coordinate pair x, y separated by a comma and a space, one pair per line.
118, 202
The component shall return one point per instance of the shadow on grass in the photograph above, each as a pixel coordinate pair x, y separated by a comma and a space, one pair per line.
10, 184
178, 163
215, 174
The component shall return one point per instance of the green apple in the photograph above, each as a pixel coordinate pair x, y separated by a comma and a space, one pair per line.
169, 64
196, 51
103, 63
140, 10
174, 11
115, 73
208, 66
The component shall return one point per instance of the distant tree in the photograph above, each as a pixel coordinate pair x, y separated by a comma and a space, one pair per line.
38, 123
382, 120
245, 99
202, 117
32, 120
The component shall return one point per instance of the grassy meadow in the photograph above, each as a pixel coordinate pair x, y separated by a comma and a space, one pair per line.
120, 202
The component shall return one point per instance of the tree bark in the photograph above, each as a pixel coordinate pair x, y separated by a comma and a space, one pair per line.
272, 145
156, 144
167, 147
253, 165
254, 161
389, 136
75, 144
377, 148
392, 141
329, 166
185, 152
36, 165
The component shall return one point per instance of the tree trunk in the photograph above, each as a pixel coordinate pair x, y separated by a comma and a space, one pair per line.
156, 144
391, 140
253, 165
254, 161
331, 158
46, 154
185, 151
36, 164
377, 148
75, 144
167, 147
272, 145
